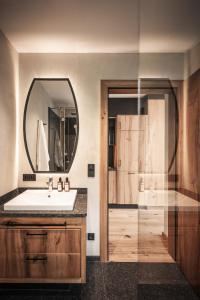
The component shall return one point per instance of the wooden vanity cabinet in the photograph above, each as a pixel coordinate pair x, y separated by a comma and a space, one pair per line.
43, 250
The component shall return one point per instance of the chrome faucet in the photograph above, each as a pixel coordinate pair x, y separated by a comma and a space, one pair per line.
50, 184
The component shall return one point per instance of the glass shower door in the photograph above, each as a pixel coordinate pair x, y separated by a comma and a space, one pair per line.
157, 181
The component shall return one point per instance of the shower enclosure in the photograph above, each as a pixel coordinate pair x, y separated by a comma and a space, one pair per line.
142, 175
62, 134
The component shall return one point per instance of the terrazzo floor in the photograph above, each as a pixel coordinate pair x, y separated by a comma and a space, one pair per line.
112, 281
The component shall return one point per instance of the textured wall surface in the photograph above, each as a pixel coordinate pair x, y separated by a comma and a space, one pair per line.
8, 116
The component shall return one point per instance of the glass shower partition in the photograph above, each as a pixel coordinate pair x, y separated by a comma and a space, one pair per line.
157, 181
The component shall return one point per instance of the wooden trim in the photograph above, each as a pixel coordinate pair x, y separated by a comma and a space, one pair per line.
83, 251
105, 86
103, 174
122, 91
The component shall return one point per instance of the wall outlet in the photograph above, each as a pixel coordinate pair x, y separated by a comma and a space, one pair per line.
91, 236
29, 177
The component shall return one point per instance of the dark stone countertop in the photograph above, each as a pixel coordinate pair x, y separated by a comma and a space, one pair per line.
80, 207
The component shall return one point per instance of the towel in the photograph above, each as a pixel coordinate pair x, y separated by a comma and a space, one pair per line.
42, 159
58, 154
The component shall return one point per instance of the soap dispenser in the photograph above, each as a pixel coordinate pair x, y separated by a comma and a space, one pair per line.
67, 185
60, 185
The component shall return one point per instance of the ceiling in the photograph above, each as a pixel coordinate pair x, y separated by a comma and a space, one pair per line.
104, 26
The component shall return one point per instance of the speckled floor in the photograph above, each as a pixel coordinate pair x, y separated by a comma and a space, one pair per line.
112, 281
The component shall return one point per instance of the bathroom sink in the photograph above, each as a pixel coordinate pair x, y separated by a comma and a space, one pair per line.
42, 200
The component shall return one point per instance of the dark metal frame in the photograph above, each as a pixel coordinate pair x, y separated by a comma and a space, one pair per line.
24, 124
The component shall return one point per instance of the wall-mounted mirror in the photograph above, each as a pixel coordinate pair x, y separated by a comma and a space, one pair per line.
51, 125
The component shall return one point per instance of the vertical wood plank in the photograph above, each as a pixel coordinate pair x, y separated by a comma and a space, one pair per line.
112, 182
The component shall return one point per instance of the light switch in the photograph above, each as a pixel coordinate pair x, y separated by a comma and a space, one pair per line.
91, 170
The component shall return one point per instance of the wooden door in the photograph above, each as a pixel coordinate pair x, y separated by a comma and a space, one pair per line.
127, 187
127, 150
112, 177
130, 142
131, 122
156, 137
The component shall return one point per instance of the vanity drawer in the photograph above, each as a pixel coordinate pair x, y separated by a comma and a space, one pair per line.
43, 266
41, 240
52, 266
40, 222
52, 241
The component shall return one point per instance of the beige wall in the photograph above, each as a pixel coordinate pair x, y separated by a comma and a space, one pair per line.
192, 61
165, 65
8, 116
85, 72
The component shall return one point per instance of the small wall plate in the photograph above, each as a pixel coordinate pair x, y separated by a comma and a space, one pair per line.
91, 170
29, 177
91, 236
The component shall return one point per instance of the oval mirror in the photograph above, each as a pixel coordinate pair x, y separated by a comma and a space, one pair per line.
51, 125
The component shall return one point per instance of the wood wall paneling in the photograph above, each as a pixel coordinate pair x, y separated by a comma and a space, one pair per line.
112, 178
189, 135
188, 244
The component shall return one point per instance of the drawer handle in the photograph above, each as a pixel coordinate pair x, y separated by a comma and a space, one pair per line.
36, 258
14, 224
129, 173
36, 234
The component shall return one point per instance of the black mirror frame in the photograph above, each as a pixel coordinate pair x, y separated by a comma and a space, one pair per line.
24, 124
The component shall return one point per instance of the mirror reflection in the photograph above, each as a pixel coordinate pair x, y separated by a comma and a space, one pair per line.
51, 125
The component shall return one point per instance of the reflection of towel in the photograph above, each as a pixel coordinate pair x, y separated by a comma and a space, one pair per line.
58, 155
42, 149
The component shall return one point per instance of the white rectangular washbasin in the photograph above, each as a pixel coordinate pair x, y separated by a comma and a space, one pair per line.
42, 200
